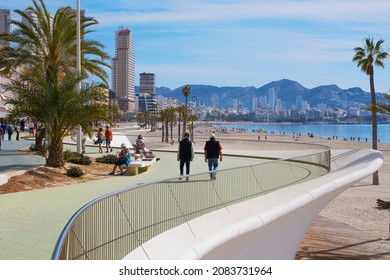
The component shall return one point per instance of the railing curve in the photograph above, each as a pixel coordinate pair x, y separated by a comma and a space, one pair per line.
113, 225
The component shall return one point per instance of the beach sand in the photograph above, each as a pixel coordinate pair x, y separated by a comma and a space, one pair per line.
351, 226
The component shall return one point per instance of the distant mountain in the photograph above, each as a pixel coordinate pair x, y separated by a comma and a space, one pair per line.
287, 91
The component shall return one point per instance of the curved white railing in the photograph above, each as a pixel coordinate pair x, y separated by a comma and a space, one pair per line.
112, 226
265, 227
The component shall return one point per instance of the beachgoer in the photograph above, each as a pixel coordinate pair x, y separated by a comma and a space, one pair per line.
108, 135
212, 150
185, 154
100, 139
124, 158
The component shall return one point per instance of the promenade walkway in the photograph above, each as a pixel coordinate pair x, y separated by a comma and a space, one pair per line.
31, 222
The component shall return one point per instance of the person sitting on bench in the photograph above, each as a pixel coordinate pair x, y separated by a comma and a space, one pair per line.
145, 152
124, 158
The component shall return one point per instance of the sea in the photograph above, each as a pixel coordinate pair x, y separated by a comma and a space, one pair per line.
352, 132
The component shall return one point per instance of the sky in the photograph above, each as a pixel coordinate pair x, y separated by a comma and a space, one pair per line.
242, 43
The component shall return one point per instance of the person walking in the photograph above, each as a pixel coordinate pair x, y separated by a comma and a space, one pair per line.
10, 130
212, 150
100, 139
108, 136
185, 154
1, 135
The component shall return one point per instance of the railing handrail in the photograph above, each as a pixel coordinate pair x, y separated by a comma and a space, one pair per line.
67, 228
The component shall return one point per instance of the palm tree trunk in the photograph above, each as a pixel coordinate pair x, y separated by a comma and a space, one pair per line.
375, 176
162, 131
166, 132
56, 156
178, 128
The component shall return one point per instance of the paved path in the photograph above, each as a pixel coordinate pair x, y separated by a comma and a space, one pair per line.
31, 222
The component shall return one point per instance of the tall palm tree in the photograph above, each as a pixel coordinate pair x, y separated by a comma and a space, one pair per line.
58, 106
192, 119
43, 51
186, 92
366, 57
180, 110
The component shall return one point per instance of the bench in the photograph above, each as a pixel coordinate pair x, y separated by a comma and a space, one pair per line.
139, 165
137, 154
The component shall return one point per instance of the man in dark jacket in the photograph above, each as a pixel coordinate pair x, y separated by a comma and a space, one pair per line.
185, 154
212, 150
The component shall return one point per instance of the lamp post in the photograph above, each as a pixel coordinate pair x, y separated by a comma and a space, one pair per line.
78, 132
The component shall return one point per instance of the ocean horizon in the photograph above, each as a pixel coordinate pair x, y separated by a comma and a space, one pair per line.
352, 132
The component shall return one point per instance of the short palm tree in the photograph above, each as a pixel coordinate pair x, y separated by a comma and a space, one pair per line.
186, 92
58, 106
368, 56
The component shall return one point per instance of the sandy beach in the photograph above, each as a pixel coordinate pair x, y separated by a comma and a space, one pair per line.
355, 208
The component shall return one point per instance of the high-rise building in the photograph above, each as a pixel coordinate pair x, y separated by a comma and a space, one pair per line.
147, 84
272, 97
5, 24
123, 70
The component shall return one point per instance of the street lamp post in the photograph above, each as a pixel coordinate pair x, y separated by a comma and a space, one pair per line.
78, 133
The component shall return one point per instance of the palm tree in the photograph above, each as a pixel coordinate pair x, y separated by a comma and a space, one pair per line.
186, 92
42, 59
366, 57
180, 110
192, 119
58, 106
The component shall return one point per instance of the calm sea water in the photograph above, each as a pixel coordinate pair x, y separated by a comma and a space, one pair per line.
340, 131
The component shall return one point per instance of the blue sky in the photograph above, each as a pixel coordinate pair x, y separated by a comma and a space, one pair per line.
245, 42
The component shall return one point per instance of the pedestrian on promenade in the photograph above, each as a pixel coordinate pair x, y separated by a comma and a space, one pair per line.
124, 158
1, 135
10, 130
17, 130
108, 135
100, 139
185, 154
212, 150
3, 128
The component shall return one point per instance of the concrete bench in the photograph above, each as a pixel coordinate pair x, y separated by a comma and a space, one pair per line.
139, 165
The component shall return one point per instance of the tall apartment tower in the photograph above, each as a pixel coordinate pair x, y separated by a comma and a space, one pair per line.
5, 25
123, 70
147, 84
272, 97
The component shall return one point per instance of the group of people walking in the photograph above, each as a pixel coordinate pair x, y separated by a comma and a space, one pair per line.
104, 137
212, 153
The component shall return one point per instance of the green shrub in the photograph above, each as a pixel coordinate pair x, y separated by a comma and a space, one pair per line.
76, 158
75, 171
109, 159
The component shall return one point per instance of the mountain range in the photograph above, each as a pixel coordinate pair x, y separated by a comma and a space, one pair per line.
287, 91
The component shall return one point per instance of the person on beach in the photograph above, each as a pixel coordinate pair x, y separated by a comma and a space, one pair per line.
185, 154
212, 150
108, 135
124, 158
